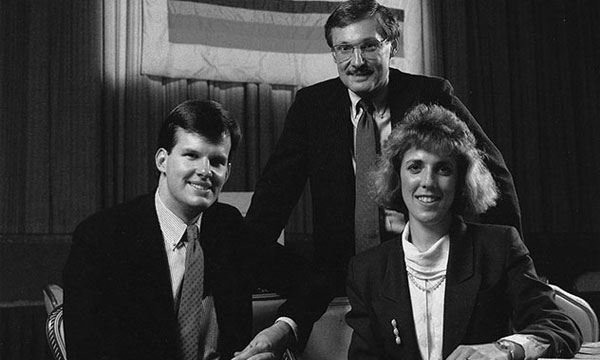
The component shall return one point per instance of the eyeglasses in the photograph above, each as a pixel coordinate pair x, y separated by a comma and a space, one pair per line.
369, 50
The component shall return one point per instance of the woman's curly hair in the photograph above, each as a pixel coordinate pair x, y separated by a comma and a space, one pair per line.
438, 130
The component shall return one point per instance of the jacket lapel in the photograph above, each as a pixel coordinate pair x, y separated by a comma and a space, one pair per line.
153, 266
462, 286
396, 293
337, 119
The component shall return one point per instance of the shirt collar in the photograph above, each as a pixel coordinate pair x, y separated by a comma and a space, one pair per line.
379, 101
171, 226
429, 262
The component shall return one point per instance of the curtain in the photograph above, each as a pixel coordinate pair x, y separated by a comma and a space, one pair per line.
80, 121
528, 70
22, 335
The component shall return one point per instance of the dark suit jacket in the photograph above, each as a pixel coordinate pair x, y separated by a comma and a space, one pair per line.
316, 144
118, 301
491, 283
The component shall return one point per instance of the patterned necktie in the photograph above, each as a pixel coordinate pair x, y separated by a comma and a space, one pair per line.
366, 211
190, 306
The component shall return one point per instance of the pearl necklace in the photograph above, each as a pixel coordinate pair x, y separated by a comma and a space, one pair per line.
428, 290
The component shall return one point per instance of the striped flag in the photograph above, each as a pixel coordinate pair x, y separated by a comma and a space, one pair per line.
264, 41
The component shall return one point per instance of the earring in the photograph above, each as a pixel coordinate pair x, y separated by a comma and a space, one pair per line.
396, 332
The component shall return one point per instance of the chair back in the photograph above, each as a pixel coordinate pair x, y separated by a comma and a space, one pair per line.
53, 297
580, 311
55, 334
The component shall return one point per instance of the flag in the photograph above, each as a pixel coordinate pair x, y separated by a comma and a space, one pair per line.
263, 41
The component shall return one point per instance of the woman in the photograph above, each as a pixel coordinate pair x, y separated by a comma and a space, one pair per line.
448, 289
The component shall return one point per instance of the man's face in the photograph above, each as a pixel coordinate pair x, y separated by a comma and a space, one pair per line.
363, 75
192, 174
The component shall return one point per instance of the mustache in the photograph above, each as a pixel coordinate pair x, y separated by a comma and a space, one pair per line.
360, 70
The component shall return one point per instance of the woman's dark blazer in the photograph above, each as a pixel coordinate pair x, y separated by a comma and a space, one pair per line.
118, 299
491, 284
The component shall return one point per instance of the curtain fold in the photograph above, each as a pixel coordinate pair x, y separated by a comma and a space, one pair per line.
22, 334
529, 73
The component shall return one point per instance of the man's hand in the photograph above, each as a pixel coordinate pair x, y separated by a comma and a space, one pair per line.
268, 344
478, 352
394, 221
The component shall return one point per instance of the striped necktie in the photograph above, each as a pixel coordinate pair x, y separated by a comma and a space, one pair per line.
366, 211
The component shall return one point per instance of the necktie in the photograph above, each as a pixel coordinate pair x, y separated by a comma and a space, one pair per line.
366, 211
190, 306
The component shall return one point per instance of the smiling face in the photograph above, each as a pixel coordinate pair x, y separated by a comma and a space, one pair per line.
428, 187
363, 76
192, 174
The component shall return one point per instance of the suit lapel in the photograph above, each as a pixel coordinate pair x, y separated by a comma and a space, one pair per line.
153, 267
396, 293
462, 286
337, 118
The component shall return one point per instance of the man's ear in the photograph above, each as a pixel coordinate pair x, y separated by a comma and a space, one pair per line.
160, 160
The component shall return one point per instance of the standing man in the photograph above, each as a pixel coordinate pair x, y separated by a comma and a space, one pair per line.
164, 276
333, 132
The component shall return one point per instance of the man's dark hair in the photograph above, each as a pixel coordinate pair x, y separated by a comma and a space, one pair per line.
353, 11
206, 118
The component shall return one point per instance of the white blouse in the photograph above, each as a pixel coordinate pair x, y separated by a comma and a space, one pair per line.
426, 273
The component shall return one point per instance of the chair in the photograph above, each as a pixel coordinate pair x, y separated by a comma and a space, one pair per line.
53, 298
580, 311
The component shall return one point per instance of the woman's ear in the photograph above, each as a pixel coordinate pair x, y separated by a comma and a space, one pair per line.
394, 48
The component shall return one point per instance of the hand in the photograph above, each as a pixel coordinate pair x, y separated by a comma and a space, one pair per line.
394, 221
478, 352
268, 344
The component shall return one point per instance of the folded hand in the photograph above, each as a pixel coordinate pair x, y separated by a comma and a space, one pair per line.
269, 344
478, 352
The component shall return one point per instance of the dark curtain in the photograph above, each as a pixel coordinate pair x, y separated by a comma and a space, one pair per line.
529, 71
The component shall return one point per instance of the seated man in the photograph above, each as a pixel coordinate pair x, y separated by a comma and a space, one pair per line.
165, 276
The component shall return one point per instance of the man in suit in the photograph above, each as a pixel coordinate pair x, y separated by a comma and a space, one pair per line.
319, 143
164, 276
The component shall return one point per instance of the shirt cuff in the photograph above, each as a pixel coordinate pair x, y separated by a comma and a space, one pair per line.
291, 323
534, 346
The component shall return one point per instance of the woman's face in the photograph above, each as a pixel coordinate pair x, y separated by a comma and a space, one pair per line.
428, 186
